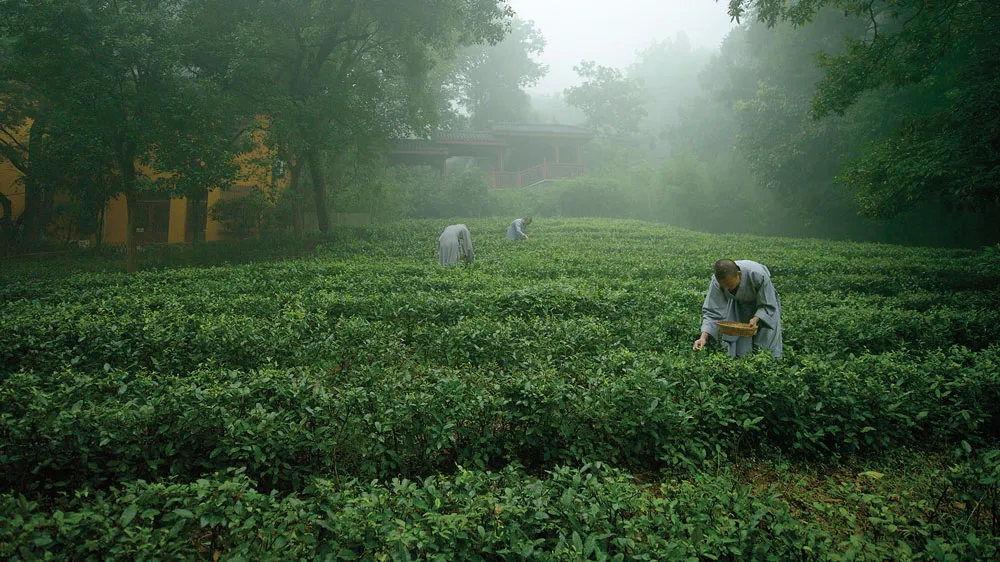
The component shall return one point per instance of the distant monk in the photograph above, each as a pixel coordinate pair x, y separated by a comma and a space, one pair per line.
515, 231
455, 244
741, 291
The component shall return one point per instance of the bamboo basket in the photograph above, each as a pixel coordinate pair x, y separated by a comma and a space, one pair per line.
737, 329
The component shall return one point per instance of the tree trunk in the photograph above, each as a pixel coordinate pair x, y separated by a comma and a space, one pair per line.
34, 189
126, 163
131, 251
7, 228
294, 189
99, 231
197, 215
319, 189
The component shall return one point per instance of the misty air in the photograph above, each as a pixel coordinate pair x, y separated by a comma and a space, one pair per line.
499, 280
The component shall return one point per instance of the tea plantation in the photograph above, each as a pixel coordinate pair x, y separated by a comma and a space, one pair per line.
359, 402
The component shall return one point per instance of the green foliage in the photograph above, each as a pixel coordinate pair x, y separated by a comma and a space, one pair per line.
936, 61
669, 70
335, 75
942, 156
248, 215
489, 80
586, 513
364, 402
463, 193
976, 478
119, 80
613, 103
386, 196
160, 89
608, 197
552, 108
620, 184
414, 191
793, 157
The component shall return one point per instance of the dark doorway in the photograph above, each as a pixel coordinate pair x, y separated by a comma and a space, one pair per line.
197, 215
152, 221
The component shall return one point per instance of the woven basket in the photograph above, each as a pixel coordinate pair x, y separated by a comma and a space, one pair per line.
737, 329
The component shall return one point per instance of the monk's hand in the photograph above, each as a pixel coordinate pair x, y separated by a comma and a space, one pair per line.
753, 321
699, 343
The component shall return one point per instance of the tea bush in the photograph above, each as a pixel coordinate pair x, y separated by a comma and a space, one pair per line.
325, 406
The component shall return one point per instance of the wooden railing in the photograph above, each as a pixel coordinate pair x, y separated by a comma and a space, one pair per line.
535, 174
504, 179
556, 171
531, 175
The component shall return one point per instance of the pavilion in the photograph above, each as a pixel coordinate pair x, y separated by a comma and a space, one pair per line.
520, 154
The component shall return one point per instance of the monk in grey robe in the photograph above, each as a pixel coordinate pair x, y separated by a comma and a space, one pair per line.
455, 244
516, 229
741, 291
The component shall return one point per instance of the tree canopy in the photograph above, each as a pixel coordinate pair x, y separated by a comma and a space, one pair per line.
613, 102
489, 80
941, 59
156, 95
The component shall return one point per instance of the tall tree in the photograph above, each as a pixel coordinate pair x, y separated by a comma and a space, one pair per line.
116, 72
490, 79
552, 108
23, 119
613, 103
947, 55
772, 78
336, 75
708, 183
669, 70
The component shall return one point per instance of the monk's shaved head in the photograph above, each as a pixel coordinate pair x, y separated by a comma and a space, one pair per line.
725, 269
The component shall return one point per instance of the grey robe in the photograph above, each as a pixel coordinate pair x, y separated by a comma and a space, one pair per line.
454, 244
754, 297
515, 231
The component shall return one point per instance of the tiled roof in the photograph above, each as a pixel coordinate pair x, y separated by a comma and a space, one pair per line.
441, 140
418, 145
466, 137
553, 129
